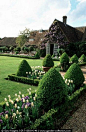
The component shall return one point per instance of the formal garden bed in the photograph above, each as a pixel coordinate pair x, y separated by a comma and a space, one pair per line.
53, 102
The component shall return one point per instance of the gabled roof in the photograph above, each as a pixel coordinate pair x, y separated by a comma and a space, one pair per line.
8, 41
81, 33
69, 32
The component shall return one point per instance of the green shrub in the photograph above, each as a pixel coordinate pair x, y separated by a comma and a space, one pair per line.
74, 59
37, 55
52, 90
82, 58
23, 68
47, 61
24, 80
74, 73
64, 61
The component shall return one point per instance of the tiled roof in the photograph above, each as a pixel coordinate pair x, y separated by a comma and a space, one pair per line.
37, 38
8, 41
69, 32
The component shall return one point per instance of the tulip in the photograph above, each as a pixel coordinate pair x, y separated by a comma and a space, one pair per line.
12, 102
15, 105
26, 106
22, 95
7, 104
34, 98
19, 92
16, 95
35, 95
6, 116
32, 104
9, 96
5, 99
14, 114
17, 112
17, 99
29, 93
29, 88
23, 100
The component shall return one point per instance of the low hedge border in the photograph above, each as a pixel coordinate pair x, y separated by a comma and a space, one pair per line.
25, 80
57, 59
49, 120
20, 56
82, 64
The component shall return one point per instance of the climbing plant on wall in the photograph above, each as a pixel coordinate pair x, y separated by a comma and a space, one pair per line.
54, 35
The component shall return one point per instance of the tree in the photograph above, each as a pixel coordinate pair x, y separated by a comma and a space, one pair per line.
22, 38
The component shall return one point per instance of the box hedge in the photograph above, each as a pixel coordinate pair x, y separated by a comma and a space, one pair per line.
52, 90
74, 59
64, 61
23, 68
74, 73
82, 58
47, 61
25, 80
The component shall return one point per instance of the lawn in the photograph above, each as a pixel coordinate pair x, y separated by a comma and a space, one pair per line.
9, 65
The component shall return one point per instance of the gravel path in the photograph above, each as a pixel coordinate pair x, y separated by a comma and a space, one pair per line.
77, 122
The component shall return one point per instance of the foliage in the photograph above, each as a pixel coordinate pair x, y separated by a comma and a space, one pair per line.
54, 35
52, 90
41, 52
31, 48
70, 86
46, 121
77, 48
47, 61
64, 61
74, 73
74, 59
32, 78
15, 114
22, 38
37, 55
12, 48
18, 49
23, 68
53, 113
4, 48
82, 58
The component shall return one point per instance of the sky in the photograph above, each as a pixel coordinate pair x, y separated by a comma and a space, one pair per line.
16, 15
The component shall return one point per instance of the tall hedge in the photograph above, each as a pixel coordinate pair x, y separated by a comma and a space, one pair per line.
47, 61
23, 68
74, 73
52, 90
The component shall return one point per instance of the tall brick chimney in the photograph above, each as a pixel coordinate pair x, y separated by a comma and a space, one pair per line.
65, 20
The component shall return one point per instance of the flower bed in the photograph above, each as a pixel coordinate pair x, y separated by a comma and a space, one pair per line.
23, 113
32, 78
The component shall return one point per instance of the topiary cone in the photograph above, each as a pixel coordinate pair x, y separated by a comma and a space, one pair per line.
47, 63
82, 58
23, 68
52, 91
74, 73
